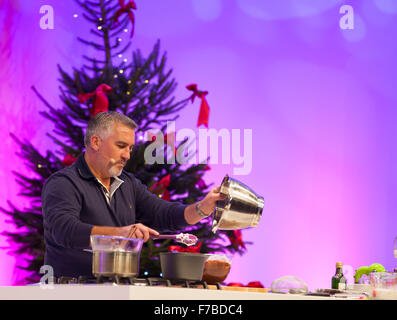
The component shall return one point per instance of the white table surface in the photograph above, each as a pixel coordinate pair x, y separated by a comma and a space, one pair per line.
132, 292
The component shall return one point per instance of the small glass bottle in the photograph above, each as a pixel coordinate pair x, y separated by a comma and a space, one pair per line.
338, 280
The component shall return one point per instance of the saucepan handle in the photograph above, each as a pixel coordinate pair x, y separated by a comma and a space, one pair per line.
163, 236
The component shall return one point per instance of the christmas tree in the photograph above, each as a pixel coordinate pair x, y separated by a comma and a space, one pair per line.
143, 90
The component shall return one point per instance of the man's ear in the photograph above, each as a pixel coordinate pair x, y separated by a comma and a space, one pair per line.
95, 142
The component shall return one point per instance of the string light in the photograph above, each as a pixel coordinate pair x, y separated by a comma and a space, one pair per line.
120, 55
121, 70
129, 81
75, 15
125, 60
99, 27
128, 93
125, 30
146, 81
39, 166
115, 76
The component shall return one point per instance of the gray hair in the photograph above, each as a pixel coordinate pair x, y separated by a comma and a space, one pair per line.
102, 122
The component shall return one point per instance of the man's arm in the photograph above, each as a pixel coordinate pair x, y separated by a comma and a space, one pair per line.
198, 211
157, 213
193, 213
171, 216
137, 230
110, 231
61, 204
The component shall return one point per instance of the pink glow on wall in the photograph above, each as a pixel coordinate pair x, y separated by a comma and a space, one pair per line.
321, 103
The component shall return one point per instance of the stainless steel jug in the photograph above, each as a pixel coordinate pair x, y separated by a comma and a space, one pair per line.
241, 209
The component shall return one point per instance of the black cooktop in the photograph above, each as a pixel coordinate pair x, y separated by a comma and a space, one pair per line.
150, 281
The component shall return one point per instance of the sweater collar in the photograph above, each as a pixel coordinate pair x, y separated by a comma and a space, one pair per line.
85, 172
83, 169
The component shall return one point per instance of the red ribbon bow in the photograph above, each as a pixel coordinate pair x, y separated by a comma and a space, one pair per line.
161, 186
236, 238
165, 181
201, 183
168, 136
171, 137
192, 249
126, 9
68, 160
204, 108
101, 102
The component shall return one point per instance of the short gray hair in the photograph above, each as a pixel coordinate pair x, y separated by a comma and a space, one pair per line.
102, 122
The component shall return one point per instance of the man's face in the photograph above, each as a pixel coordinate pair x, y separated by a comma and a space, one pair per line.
114, 150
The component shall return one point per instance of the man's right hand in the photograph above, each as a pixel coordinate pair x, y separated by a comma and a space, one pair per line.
137, 231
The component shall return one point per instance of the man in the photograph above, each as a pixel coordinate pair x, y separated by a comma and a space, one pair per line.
95, 196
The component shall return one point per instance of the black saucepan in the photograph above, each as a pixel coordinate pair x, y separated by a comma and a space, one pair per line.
182, 265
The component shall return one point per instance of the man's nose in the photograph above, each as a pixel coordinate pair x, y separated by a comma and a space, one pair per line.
126, 155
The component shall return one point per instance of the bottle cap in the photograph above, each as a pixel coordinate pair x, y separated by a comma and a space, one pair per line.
339, 264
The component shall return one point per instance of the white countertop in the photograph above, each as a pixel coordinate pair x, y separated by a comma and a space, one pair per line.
134, 292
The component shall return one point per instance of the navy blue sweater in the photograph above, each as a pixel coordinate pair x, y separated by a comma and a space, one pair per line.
73, 203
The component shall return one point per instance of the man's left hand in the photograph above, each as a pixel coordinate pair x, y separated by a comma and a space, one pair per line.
207, 205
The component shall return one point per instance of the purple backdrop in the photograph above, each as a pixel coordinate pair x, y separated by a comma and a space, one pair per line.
320, 101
